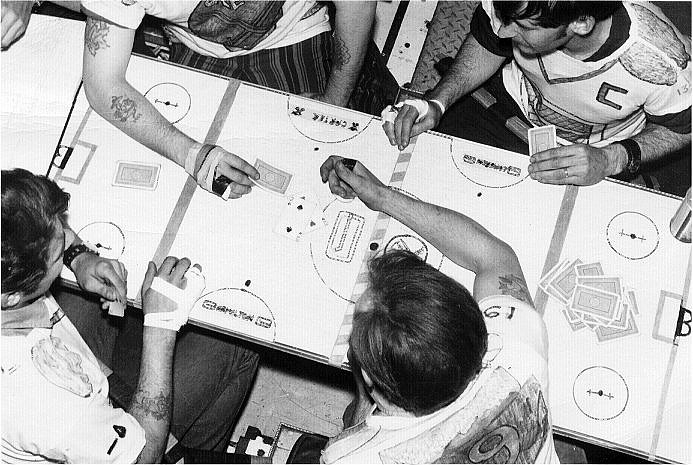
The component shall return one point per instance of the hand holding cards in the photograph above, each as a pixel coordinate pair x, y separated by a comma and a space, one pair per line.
219, 171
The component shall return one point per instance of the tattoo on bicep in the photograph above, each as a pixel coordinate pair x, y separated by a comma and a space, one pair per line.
341, 55
95, 35
124, 108
158, 407
515, 286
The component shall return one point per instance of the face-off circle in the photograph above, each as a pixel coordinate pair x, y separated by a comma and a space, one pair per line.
106, 237
632, 235
600, 393
238, 310
487, 168
172, 100
323, 123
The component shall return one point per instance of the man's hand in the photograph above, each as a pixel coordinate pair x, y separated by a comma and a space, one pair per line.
405, 126
102, 276
172, 270
577, 164
349, 184
238, 171
15, 19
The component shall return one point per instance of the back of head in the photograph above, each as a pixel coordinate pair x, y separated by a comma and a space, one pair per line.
422, 339
31, 207
553, 13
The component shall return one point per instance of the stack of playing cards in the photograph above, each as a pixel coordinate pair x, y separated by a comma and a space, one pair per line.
299, 216
592, 300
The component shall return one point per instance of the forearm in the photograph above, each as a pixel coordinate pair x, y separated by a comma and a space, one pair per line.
74, 5
458, 237
353, 22
124, 107
473, 65
655, 142
151, 403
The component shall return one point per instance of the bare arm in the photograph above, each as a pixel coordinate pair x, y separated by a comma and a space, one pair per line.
473, 65
586, 165
106, 56
458, 237
353, 22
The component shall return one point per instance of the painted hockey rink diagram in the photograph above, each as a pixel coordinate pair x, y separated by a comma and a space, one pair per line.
298, 295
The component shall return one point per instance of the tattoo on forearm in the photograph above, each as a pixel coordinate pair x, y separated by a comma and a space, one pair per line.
515, 286
95, 35
158, 407
341, 55
124, 108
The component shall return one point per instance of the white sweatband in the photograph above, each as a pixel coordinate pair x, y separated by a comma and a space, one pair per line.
184, 299
190, 160
440, 105
390, 112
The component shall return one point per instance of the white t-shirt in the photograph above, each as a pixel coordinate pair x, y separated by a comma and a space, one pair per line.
222, 29
55, 404
501, 417
599, 102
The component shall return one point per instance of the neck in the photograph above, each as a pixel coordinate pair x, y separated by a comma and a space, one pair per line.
584, 46
389, 409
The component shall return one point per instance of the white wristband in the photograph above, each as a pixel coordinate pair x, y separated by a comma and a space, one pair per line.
421, 107
440, 105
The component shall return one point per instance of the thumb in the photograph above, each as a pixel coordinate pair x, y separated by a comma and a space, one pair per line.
148, 277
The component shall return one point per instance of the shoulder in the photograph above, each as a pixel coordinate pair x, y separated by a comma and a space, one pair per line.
658, 52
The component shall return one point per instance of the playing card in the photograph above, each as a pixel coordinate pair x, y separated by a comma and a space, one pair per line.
317, 221
137, 175
605, 333
295, 216
595, 302
564, 282
116, 308
544, 283
541, 138
610, 284
272, 178
589, 269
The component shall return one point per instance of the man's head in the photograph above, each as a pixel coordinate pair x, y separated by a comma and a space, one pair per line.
545, 26
417, 334
32, 235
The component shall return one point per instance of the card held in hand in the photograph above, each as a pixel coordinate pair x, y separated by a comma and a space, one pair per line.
272, 178
541, 138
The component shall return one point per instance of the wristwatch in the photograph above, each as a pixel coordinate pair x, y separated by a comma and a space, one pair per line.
633, 150
71, 253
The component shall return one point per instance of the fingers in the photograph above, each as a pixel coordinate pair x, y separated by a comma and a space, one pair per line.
236, 162
178, 272
328, 166
403, 125
112, 276
339, 187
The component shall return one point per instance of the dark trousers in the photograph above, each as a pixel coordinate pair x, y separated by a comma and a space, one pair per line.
212, 373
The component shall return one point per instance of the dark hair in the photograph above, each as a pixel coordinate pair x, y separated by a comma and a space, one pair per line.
31, 207
423, 338
553, 13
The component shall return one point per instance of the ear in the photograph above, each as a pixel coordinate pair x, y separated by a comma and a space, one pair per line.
583, 25
11, 299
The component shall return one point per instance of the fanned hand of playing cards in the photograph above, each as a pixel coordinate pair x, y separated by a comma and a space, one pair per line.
300, 215
592, 300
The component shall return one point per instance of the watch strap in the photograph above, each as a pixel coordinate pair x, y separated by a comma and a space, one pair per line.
634, 154
73, 251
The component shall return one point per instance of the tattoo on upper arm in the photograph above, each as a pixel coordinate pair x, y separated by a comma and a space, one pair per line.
95, 35
341, 55
158, 407
515, 286
124, 108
